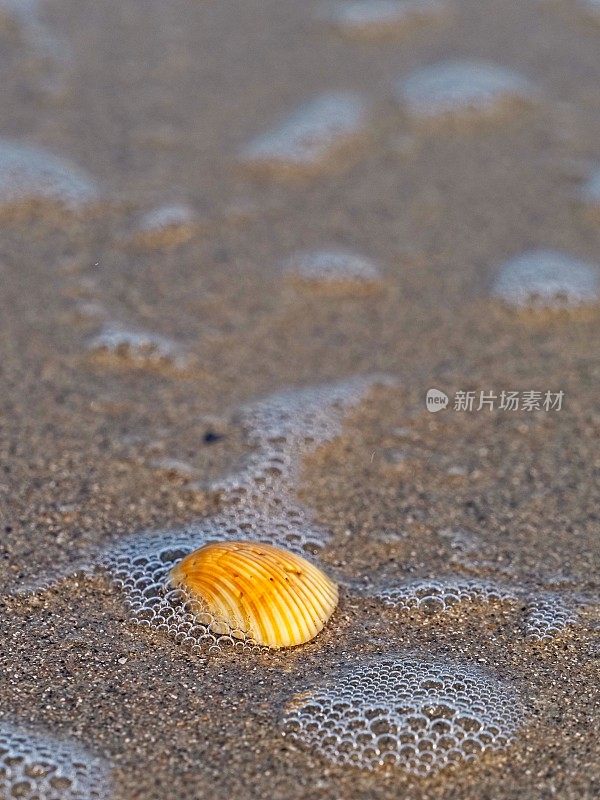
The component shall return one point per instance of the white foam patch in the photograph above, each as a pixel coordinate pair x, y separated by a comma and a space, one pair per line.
547, 279
310, 135
283, 429
591, 189
381, 17
31, 174
140, 348
405, 712
140, 567
259, 504
545, 616
165, 223
442, 594
44, 767
465, 88
166, 217
332, 268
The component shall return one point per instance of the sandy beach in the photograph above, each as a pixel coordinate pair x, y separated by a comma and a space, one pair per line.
211, 209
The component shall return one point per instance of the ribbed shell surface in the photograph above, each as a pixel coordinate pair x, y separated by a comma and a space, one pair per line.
275, 597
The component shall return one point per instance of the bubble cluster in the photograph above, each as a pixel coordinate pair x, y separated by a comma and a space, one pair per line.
33, 175
40, 767
140, 348
384, 17
443, 593
166, 225
283, 429
406, 712
332, 270
308, 137
464, 88
546, 617
258, 504
547, 279
140, 567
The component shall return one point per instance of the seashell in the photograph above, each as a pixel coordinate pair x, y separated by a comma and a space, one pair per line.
274, 597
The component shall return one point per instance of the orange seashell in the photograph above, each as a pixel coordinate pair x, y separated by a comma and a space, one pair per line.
274, 597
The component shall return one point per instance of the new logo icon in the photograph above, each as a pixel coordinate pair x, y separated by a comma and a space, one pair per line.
435, 400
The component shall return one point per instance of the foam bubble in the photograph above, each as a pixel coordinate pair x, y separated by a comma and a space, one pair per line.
308, 137
33, 175
400, 710
462, 88
332, 270
166, 225
283, 428
140, 348
259, 504
384, 17
547, 279
43, 767
442, 593
140, 567
545, 616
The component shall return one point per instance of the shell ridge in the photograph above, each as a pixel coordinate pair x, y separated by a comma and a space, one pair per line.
278, 597
299, 589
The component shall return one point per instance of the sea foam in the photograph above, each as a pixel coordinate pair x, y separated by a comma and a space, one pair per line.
40, 766
462, 89
405, 711
306, 140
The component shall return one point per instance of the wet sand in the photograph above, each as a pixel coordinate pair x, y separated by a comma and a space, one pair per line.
156, 102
